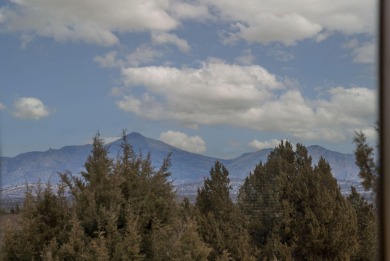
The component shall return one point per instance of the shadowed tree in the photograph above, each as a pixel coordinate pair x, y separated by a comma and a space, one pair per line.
364, 158
43, 218
295, 210
220, 223
366, 227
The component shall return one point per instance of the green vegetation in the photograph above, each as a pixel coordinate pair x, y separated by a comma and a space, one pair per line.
221, 224
365, 160
125, 209
366, 227
296, 211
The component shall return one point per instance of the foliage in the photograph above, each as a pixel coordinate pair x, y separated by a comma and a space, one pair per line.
365, 160
43, 217
366, 227
367, 213
220, 223
125, 209
295, 210
120, 209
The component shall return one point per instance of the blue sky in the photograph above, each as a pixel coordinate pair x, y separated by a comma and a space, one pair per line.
214, 77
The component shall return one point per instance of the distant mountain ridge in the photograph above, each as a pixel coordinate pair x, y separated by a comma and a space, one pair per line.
187, 167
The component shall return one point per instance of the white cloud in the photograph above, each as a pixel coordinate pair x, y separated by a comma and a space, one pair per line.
167, 38
107, 140
365, 53
353, 43
143, 54
371, 133
202, 95
339, 115
281, 54
95, 22
322, 36
245, 96
30, 108
287, 21
25, 39
288, 29
2, 106
258, 145
362, 52
262, 21
146, 106
193, 11
183, 141
110, 60
350, 106
328, 133
246, 58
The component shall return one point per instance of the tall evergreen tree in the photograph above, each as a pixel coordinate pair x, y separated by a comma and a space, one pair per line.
296, 211
365, 160
43, 218
324, 222
262, 198
220, 223
214, 195
367, 214
96, 197
109, 226
120, 210
366, 227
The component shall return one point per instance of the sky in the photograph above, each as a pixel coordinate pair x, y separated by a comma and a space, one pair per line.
215, 77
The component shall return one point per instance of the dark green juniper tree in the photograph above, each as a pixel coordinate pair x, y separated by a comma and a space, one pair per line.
367, 213
125, 209
43, 217
366, 227
296, 211
119, 210
220, 222
365, 160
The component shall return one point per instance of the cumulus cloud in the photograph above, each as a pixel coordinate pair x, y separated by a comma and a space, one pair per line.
280, 54
168, 38
145, 106
143, 54
246, 58
183, 141
30, 108
341, 113
95, 22
258, 145
245, 96
190, 94
2, 106
110, 60
25, 39
107, 140
288, 22
290, 28
351, 106
362, 52
100, 22
365, 53
371, 134
194, 11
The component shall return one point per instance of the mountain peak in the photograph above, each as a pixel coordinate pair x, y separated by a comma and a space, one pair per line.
134, 134
186, 166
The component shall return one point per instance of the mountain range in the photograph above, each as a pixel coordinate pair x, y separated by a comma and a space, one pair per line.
187, 167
